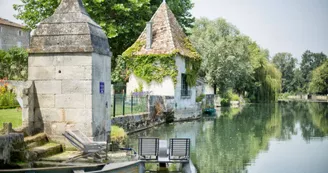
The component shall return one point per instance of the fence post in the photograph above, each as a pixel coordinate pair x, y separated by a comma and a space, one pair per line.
123, 99
131, 104
114, 106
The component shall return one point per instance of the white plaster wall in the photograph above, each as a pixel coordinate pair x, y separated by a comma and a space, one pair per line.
183, 103
166, 88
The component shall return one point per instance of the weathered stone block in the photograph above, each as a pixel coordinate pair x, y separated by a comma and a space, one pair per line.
40, 61
73, 60
88, 72
76, 86
41, 73
49, 114
78, 115
48, 87
88, 101
70, 72
58, 128
70, 101
45, 101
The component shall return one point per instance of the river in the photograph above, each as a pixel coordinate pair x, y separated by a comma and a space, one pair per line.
285, 137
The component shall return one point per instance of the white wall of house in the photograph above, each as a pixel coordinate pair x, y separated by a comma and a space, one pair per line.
166, 88
183, 102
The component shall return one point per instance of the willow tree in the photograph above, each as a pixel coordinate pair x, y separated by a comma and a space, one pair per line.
232, 60
267, 78
225, 60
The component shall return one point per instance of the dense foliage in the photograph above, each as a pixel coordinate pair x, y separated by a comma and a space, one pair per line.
319, 80
155, 67
232, 61
310, 61
122, 20
13, 64
286, 63
296, 80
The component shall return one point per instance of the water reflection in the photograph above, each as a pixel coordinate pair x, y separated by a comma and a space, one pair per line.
233, 141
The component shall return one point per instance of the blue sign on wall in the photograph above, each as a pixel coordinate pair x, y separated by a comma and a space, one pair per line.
101, 87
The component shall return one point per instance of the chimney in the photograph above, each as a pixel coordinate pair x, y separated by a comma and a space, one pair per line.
149, 35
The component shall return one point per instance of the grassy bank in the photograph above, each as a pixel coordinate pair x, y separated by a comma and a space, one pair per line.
11, 115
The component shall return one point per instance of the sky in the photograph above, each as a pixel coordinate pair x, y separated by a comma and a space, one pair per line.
277, 25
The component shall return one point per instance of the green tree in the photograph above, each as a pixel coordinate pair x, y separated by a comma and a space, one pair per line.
122, 20
297, 82
286, 63
231, 60
225, 60
13, 64
310, 61
266, 83
319, 80
181, 10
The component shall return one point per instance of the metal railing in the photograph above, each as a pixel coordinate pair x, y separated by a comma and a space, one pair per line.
123, 104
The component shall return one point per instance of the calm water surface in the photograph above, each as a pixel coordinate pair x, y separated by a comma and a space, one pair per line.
289, 137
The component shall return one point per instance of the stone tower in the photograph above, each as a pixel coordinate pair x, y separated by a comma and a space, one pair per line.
69, 64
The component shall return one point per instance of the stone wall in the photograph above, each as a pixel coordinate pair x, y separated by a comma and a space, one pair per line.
67, 94
11, 147
132, 123
11, 36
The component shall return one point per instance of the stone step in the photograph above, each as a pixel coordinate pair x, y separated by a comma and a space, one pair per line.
64, 156
36, 140
45, 150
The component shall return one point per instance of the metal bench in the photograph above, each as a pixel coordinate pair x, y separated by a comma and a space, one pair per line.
179, 149
148, 148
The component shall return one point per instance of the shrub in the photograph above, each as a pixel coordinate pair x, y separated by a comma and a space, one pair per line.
7, 96
13, 64
118, 134
200, 98
229, 96
225, 102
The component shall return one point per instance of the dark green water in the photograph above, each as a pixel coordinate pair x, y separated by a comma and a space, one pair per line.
270, 138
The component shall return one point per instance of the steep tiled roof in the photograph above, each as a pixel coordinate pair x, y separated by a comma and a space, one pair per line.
9, 23
168, 36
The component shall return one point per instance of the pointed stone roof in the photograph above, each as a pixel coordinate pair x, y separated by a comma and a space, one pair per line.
167, 36
70, 29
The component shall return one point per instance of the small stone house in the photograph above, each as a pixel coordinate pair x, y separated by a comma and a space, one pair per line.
163, 62
13, 35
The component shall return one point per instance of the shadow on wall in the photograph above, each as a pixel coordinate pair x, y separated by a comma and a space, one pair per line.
32, 114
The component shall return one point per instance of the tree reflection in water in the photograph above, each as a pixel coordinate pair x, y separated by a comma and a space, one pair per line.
232, 141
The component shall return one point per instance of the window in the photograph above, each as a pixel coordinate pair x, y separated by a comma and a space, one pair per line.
20, 33
184, 86
19, 44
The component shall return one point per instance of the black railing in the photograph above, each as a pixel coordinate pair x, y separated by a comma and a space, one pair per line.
129, 104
